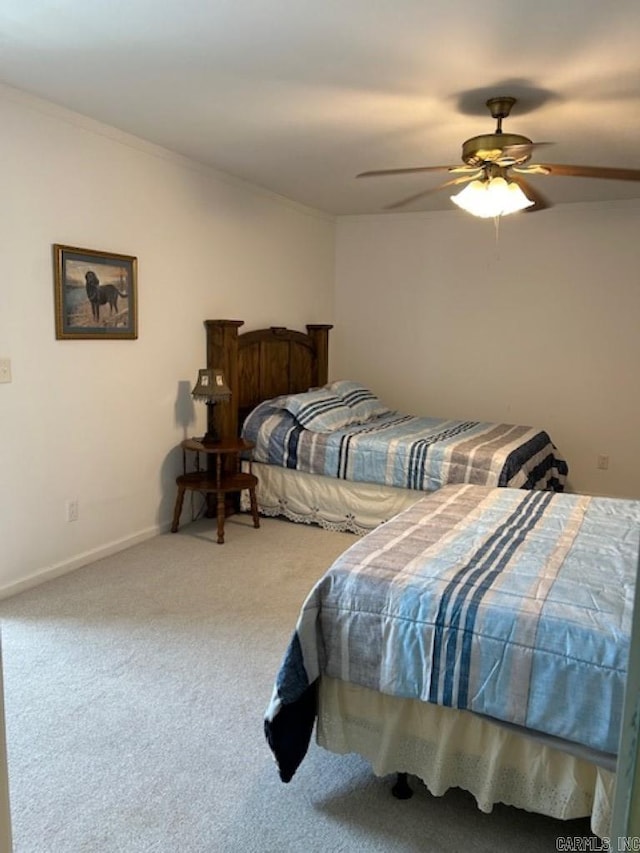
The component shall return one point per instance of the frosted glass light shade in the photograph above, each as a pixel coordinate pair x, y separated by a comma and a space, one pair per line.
494, 197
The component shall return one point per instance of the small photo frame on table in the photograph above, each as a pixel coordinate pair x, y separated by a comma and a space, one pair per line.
96, 294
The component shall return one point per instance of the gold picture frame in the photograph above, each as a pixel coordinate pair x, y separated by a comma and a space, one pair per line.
96, 294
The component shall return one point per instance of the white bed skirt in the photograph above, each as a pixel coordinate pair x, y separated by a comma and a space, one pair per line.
447, 748
331, 503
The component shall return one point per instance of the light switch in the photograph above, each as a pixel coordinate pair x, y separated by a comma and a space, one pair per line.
5, 370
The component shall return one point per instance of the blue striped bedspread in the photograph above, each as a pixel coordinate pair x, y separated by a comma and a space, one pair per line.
410, 452
508, 603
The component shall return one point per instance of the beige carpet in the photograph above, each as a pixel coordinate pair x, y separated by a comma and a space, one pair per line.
135, 689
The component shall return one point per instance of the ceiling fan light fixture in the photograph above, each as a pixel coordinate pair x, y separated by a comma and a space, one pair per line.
491, 198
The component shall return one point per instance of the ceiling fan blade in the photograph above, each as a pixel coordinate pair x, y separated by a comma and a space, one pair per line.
539, 201
571, 171
423, 193
519, 152
411, 169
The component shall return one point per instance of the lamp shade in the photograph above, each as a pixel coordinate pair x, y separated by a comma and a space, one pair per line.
211, 386
492, 197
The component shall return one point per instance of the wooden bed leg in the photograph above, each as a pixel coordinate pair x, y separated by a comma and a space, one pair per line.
402, 790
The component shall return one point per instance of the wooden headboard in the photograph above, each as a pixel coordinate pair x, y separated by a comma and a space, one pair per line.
262, 364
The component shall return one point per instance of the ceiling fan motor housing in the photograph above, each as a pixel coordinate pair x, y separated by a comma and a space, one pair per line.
489, 148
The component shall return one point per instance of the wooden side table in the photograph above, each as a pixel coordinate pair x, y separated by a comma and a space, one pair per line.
225, 478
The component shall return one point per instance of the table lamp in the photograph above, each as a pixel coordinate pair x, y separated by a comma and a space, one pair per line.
212, 388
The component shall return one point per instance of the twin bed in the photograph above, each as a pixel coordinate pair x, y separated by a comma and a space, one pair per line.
477, 638
333, 454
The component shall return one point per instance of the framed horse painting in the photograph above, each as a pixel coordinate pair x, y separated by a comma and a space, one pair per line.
95, 294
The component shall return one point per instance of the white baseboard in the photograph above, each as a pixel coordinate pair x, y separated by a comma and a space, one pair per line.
62, 568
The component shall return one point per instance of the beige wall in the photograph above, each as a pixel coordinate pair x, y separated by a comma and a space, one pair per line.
538, 324
100, 421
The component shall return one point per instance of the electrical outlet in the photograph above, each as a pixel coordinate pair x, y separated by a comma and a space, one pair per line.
603, 462
72, 509
5, 370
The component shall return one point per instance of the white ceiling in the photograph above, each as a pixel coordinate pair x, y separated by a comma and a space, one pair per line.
298, 96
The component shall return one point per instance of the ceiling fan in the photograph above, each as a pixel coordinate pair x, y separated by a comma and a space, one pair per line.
494, 169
